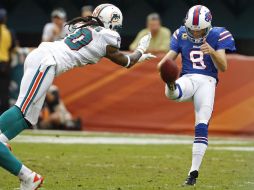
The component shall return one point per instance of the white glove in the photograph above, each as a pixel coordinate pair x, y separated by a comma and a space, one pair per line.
146, 56
144, 43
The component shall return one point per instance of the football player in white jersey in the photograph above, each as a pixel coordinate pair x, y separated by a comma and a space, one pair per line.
94, 37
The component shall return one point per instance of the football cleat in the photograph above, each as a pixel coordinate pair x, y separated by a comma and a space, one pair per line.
191, 179
171, 86
33, 182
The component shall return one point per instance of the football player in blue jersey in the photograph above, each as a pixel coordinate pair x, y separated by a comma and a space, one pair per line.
203, 50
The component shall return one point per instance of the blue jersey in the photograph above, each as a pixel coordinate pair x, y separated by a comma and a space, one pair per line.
193, 59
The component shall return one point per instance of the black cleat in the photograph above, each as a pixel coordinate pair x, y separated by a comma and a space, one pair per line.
191, 179
171, 86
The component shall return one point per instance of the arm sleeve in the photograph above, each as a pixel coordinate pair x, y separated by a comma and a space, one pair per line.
134, 44
112, 38
174, 43
226, 41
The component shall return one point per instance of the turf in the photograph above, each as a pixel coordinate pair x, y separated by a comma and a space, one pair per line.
130, 167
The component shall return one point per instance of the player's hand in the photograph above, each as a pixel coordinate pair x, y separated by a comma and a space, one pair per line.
146, 56
144, 43
206, 48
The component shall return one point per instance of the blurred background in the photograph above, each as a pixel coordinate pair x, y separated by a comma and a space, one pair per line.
108, 98
27, 17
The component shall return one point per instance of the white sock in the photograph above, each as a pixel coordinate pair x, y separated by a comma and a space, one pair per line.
3, 138
198, 152
24, 173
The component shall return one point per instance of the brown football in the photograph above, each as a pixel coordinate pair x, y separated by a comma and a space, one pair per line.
168, 70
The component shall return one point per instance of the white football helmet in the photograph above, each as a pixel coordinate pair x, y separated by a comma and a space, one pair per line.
110, 15
197, 18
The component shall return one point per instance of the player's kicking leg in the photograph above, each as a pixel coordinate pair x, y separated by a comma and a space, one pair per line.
181, 90
203, 100
35, 82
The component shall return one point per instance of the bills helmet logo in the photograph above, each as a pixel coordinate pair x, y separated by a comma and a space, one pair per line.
208, 17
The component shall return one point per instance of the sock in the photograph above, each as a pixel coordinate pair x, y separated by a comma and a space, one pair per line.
199, 146
12, 122
8, 160
24, 173
198, 152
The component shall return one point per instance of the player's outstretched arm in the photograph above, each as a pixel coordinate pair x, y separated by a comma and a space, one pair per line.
128, 60
121, 59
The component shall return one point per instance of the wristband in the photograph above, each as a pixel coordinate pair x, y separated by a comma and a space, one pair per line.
140, 50
129, 61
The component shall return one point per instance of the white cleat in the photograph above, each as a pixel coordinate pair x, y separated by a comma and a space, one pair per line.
33, 182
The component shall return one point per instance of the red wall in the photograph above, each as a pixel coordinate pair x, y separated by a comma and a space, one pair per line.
110, 98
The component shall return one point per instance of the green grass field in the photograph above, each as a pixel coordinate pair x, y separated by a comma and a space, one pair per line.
132, 167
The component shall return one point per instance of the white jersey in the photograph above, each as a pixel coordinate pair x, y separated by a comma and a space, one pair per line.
84, 46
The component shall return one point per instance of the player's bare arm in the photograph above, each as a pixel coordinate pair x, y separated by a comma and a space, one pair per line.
120, 58
128, 60
218, 57
170, 55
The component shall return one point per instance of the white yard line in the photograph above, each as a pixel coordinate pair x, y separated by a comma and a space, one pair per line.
234, 148
116, 140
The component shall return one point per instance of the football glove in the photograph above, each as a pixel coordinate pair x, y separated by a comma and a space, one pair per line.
144, 43
146, 56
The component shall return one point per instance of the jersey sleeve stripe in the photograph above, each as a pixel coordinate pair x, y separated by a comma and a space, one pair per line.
225, 32
223, 38
176, 33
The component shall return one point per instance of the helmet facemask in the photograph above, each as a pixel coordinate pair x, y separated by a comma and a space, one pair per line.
194, 39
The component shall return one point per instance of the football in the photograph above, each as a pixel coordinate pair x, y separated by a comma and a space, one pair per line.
168, 70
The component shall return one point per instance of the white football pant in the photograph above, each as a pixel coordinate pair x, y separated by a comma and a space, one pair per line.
39, 73
197, 88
